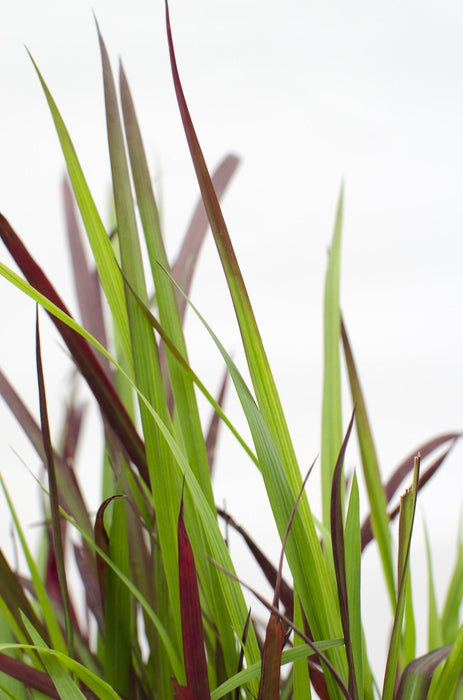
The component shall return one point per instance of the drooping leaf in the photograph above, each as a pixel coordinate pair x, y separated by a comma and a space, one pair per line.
84, 358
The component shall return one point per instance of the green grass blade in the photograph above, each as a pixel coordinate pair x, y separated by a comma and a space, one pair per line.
453, 599
49, 619
375, 490
64, 683
407, 515
118, 608
101, 247
332, 432
445, 685
435, 636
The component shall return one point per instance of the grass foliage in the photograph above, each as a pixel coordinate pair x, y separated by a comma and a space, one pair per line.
165, 614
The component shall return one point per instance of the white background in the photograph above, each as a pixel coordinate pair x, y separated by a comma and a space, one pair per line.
309, 95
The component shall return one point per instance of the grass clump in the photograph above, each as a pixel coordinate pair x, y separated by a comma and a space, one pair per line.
166, 616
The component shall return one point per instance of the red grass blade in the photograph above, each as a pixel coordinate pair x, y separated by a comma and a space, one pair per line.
184, 266
269, 686
84, 358
214, 425
194, 653
268, 569
339, 557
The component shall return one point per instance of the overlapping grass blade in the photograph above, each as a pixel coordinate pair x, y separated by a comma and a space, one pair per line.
231, 592
270, 432
164, 481
186, 407
375, 490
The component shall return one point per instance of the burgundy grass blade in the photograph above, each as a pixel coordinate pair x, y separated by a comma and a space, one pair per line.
31, 677
213, 430
90, 368
185, 264
269, 686
86, 281
268, 569
91, 586
339, 557
194, 653
56, 531
182, 693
